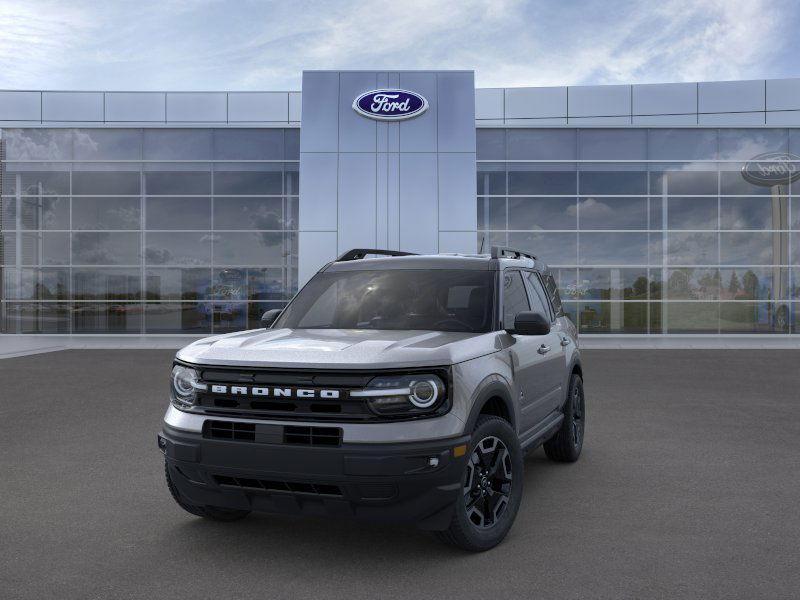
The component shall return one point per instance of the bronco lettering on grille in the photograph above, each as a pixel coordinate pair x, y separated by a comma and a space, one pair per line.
274, 392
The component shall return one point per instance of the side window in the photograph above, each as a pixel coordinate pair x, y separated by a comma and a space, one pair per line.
515, 298
555, 297
538, 298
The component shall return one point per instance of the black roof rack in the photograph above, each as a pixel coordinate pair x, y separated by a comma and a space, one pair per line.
359, 253
505, 251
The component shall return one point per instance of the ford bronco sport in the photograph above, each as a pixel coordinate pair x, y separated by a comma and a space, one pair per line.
402, 388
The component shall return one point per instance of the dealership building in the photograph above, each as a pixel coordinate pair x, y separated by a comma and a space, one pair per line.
664, 209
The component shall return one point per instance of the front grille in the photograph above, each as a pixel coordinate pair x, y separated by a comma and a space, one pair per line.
231, 430
312, 436
292, 487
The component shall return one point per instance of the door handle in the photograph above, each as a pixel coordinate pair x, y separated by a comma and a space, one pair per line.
543, 349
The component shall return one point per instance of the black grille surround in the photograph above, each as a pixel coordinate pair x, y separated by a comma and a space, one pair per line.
317, 409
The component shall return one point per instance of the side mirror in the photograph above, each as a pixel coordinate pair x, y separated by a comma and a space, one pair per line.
531, 323
268, 318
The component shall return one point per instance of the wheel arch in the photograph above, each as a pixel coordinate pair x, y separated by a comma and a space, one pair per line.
494, 398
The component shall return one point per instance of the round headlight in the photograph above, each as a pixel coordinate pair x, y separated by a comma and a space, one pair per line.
423, 393
185, 383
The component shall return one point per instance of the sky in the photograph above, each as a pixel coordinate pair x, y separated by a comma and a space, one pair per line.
265, 45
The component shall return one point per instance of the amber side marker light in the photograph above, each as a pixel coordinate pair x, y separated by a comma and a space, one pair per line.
460, 450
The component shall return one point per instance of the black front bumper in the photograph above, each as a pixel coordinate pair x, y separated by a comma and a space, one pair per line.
380, 482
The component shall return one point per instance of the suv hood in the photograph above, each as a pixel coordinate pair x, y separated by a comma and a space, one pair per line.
339, 348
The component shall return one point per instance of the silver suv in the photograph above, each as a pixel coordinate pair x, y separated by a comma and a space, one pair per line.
401, 387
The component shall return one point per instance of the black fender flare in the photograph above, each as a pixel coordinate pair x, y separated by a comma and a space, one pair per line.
492, 387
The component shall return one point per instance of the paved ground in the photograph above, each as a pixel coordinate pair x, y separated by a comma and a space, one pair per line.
688, 488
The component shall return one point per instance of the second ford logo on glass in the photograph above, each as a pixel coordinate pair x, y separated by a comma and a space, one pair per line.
390, 104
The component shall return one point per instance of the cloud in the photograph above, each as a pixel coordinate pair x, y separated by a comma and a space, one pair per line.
212, 44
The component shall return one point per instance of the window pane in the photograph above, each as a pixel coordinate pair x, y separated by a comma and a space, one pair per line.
178, 183
44, 212
692, 248
178, 248
613, 182
177, 284
174, 212
267, 284
229, 316
118, 183
693, 284
541, 144
175, 317
38, 144
515, 298
248, 213
656, 213
612, 213
250, 183
732, 182
248, 144
608, 144
692, 213
492, 213
682, 144
754, 213
107, 144
613, 317
613, 284
106, 284
178, 144
253, 248
749, 248
684, 183
34, 317
36, 183
691, 317
105, 248
105, 213
746, 144
755, 283
45, 248
542, 213
491, 179
36, 284
291, 144
613, 248
553, 248
529, 182
107, 318
490, 144
749, 317
291, 179
8, 214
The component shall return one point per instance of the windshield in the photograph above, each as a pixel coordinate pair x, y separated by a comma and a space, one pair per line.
438, 300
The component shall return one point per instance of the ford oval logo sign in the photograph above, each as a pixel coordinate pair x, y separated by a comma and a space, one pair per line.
772, 168
390, 105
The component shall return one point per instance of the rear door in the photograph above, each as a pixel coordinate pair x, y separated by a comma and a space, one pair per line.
524, 351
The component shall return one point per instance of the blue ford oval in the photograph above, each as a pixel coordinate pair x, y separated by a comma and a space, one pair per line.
390, 105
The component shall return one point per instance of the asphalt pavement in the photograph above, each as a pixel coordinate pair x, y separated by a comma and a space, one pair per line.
687, 488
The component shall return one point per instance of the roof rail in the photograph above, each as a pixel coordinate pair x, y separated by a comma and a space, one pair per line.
503, 251
359, 253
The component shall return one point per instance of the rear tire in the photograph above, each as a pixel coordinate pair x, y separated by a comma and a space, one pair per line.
492, 488
566, 444
214, 513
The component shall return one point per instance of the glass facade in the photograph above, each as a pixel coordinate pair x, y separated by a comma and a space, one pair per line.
650, 230
146, 230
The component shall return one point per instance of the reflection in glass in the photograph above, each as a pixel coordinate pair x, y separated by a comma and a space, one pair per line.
612, 144
117, 183
755, 283
177, 183
541, 144
176, 317
229, 316
754, 213
178, 248
613, 317
35, 317
690, 317
750, 248
107, 144
542, 213
693, 284
553, 248
104, 248
248, 144
613, 284
612, 213
177, 284
682, 144
490, 144
252, 248
46, 248
249, 213
38, 144
491, 180
44, 212
751, 317
692, 213
106, 284
172, 212
676, 181
613, 182
105, 213
37, 284
107, 317
250, 182
523, 182
692, 248
613, 248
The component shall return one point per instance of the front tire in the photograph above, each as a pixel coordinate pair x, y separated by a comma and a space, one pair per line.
566, 444
491, 486
214, 513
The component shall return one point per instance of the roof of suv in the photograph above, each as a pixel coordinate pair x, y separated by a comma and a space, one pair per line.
478, 262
